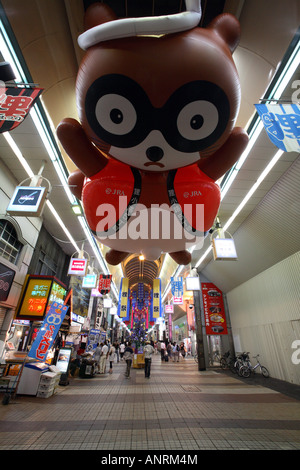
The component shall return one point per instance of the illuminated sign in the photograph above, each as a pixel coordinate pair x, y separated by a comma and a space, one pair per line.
89, 281
27, 201
224, 249
36, 294
77, 267
192, 283
169, 308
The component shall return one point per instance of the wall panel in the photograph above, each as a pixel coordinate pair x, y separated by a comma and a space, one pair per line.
265, 317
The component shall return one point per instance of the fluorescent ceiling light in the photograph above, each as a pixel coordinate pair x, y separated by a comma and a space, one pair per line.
59, 220
18, 153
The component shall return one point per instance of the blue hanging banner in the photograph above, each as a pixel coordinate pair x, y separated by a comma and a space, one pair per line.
282, 123
177, 289
49, 329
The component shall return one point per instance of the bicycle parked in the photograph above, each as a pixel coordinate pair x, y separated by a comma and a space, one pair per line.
239, 361
226, 360
247, 369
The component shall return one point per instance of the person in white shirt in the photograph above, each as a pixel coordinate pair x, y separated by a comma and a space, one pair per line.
148, 351
122, 349
103, 358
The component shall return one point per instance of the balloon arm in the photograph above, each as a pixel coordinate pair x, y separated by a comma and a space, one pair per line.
79, 148
76, 181
217, 164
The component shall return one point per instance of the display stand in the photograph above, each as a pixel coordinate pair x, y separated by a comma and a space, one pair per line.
138, 361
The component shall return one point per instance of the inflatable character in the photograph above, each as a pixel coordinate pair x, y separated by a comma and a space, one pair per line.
157, 101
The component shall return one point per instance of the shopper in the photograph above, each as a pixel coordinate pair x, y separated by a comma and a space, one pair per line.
162, 350
122, 349
169, 350
175, 352
182, 350
111, 357
148, 351
128, 356
103, 358
97, 355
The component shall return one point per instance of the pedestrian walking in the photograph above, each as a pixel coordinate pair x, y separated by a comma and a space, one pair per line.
122, 349
97, 355
148, 351
103, 358
162, 350
175, 352
128, 356
111, 357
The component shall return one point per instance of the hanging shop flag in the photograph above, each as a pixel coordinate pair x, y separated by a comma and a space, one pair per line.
104, 283
214, 312
49, 329
15, 104
177, 290
156, 301
282, 123
124, 297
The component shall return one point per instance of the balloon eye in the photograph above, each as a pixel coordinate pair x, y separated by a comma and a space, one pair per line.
115, 114
197, 120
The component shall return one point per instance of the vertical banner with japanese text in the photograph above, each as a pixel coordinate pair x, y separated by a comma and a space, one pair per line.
156, 303
177, 290
214, 311
49, 329
104, 283
123, 307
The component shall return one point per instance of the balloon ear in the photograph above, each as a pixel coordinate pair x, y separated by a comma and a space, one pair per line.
98, 13
228, 27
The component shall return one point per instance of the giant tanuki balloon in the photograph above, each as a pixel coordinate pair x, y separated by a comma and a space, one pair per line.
156, 130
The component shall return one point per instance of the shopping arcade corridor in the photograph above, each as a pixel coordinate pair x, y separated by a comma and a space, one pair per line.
178, 408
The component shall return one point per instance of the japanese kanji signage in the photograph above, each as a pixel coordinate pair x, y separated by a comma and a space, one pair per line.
104, 283
124, 296
282, 123
214, 312
156, 300
177, 290
49, 329
15, 104
37, 292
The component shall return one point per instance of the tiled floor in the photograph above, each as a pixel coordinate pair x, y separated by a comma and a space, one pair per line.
177, 409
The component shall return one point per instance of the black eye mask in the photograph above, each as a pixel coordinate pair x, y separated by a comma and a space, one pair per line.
121, 114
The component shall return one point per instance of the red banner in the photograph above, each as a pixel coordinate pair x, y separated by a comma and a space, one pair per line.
15, 104
104, 283
214, 312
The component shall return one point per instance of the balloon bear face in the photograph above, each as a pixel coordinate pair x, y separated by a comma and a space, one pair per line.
158, 104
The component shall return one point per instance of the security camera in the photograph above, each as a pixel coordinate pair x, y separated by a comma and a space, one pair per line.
191, 306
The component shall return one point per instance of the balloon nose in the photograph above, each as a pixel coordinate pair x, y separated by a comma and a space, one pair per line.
155, 153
